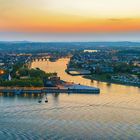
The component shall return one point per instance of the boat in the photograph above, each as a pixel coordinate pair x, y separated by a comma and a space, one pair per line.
46, 101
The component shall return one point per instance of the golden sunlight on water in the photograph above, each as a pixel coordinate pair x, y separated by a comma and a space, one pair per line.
60, 66
114, 114
113, 97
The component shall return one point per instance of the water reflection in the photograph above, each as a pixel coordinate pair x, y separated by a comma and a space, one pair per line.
60, 66
114, 114
71, 116
56, 96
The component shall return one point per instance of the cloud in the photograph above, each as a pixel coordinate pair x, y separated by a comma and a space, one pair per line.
120, 19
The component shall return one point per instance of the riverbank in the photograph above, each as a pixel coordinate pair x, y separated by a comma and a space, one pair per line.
67, 88
61, 65
106, 78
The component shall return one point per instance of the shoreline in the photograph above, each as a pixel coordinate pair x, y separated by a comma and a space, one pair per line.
108, 81
74, 88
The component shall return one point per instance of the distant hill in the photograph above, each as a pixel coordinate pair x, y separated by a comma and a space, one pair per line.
27, 46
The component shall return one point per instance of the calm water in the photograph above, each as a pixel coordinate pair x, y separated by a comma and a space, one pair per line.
114, 114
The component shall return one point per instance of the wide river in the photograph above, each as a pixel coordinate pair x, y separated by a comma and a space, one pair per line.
113, 114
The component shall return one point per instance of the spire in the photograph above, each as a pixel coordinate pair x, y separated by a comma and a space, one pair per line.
9, 77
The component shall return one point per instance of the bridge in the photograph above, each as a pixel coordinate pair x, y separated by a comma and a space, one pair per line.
38, 58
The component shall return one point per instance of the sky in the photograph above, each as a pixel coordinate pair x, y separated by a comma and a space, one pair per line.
70, 20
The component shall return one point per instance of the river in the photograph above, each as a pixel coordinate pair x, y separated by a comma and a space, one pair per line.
113, 114
60, 66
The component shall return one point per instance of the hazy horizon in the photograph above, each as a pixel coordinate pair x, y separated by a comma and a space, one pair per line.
70, 37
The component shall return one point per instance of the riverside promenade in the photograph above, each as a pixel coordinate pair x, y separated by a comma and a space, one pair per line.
78, 89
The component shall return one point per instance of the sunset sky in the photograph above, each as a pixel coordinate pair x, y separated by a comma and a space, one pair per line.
56, 19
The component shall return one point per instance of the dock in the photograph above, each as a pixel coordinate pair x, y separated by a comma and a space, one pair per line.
75, 89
